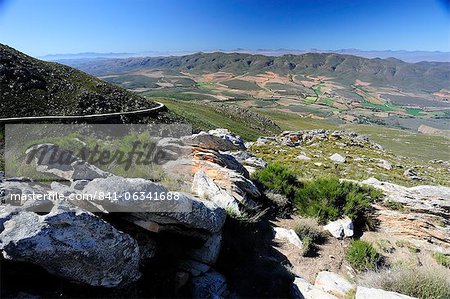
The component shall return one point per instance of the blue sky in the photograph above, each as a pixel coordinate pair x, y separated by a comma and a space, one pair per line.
40, 27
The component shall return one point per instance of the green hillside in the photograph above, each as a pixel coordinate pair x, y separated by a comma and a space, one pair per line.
30, 87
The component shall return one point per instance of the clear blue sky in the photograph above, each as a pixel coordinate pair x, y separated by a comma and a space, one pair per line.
40, 27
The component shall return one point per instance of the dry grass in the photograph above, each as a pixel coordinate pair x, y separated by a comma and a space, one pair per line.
310, 232
423, 282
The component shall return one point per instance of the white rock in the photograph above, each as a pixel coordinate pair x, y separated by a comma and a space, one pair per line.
338, 158
247, 159
371, 293
432, 199
289, 235
340, 228
318, 164
205, 188
230, 136
333, 283
384, 164
309, 291
303, 157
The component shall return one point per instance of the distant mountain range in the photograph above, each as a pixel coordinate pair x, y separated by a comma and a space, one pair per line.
423, 76
407, 56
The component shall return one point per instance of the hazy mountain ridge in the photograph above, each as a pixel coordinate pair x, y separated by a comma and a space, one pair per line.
407, 56
424, 76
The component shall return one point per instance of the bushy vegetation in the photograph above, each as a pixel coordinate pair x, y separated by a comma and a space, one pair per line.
362, 256
442, 259
420, 282
326, 199
309, 231
279, 179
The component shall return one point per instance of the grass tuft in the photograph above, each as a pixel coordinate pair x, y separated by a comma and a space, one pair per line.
362, 256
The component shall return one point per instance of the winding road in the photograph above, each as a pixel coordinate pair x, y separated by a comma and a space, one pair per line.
83, 117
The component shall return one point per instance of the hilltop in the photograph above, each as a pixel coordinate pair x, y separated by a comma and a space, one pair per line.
30, 87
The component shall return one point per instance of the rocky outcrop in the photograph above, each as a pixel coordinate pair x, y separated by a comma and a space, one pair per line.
297, 138
227, 135
418, 213
70, 243
249, 161
192, 224
434, 200
207, 189
206, 140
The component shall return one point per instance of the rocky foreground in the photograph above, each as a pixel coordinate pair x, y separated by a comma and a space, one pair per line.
230, 245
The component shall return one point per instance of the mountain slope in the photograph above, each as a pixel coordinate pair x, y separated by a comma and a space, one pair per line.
423, 76
30, 87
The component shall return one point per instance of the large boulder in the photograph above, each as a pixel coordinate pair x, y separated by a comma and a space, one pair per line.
71, 243
234, 183
204, 216
185, 210
118, 194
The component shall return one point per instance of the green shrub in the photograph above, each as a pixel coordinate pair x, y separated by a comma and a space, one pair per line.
442, 259
423, 282
311, 234
328, 199
362, 256
277, 178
